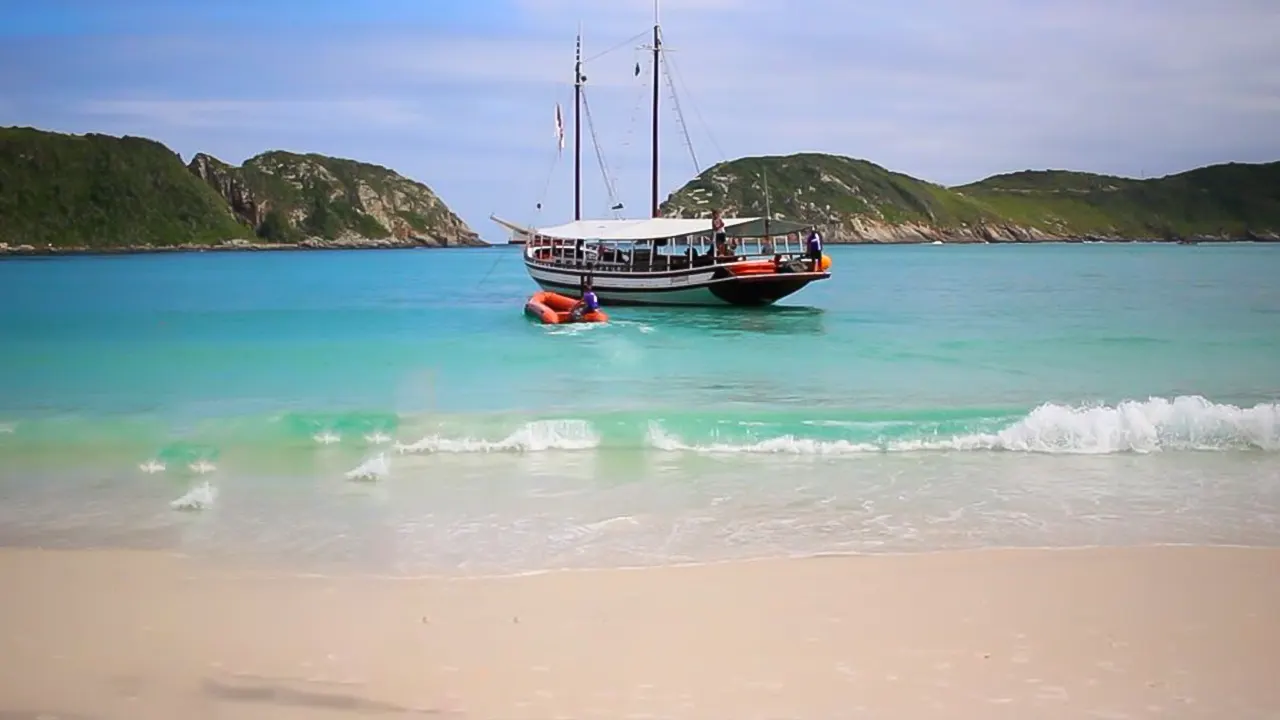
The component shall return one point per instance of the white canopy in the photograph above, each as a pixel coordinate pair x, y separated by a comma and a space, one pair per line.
662, 228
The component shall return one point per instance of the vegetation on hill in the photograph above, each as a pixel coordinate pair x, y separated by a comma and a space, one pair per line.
286, 197
61, 192
101, 191
93, 192
1233, 200
858, 201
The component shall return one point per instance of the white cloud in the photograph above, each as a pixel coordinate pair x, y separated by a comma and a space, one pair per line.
259, 114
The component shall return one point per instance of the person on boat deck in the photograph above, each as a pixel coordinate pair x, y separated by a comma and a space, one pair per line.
814, 246
766, 246
722, 248
717, 227
588, 303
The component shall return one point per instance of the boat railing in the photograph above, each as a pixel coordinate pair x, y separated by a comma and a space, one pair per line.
577, 254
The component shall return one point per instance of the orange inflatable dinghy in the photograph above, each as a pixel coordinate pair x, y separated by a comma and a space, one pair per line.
554, 309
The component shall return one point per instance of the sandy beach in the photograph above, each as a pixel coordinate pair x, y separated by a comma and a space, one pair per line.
1110, 633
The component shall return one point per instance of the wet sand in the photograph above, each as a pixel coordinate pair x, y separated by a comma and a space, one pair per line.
1179, 632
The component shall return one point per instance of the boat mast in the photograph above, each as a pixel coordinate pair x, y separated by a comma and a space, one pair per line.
657, 49
577, 129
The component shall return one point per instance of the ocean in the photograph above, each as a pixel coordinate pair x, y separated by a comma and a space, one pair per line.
394, 413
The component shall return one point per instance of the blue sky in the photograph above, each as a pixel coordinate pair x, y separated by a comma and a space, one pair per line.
460, 94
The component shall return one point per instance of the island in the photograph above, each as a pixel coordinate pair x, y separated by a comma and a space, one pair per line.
855, 201
63, 193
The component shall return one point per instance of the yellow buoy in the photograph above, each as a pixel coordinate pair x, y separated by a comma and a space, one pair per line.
826, 262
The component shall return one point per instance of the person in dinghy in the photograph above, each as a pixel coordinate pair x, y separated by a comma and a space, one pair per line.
588, 303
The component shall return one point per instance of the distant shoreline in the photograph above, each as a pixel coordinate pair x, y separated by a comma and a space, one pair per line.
30, 251
27, 251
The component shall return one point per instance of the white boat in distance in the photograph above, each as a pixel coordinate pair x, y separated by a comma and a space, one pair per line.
664, 260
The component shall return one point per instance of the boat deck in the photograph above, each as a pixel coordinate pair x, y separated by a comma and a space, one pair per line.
642, 261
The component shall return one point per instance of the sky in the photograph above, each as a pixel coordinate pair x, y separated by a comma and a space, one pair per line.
461, 94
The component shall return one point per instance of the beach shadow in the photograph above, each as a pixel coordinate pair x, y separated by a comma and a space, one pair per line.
280, 694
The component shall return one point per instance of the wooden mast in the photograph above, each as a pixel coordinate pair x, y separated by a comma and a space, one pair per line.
657, 49
577, 129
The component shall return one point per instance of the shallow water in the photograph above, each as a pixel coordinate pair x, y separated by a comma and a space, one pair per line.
395, 412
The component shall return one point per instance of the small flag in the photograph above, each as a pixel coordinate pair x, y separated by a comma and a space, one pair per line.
637, 69
559, 127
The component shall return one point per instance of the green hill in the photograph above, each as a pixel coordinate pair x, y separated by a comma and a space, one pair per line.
61, 192
71, 191
858, 201
99, 193
286, 197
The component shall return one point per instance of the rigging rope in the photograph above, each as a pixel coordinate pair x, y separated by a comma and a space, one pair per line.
673, 79
675, 72
494, 266
635, 116
595, 141
675, 102
628, 41
546, 185
551, 170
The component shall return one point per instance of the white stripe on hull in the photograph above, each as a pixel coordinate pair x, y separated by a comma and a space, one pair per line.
669, 282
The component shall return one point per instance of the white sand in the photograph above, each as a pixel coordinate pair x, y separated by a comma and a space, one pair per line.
1108, 633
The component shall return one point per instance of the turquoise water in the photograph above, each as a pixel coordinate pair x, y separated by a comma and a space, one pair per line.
394, 411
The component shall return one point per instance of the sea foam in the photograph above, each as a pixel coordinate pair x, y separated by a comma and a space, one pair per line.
373, 468
533, 436
200, 497
1184, 423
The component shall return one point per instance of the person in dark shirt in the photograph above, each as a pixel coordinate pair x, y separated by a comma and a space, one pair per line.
814, 249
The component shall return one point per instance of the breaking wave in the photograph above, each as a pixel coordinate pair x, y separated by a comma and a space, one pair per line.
531, 437
1184, 423
200, 497
371, 469
367, 441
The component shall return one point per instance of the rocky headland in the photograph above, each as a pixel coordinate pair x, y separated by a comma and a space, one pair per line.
72, 194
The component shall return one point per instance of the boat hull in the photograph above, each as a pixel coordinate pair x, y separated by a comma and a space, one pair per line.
708, 286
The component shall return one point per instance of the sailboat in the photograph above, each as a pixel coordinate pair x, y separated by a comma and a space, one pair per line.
665, 260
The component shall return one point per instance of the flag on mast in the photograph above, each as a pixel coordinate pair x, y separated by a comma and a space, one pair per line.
559, 127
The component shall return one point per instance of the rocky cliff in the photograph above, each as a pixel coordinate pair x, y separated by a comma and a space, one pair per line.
856, 201
98, 193
313, 199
